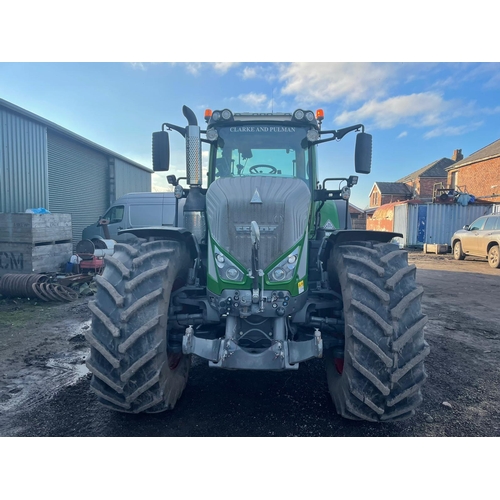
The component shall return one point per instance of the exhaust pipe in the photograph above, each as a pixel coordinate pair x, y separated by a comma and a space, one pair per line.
193, 149
195, 207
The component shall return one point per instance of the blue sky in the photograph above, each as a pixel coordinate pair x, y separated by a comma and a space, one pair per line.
416, 112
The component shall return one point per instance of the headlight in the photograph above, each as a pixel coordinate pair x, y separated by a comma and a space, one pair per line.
212, 134
178, 191
278, 274
312, 135
346, 193
226, 269
232, 274
298, 115
286, 268
309, 116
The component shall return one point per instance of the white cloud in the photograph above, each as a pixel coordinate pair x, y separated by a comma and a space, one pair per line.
249, 72
159, 183
402, 134
194, 68
424, 109
269, 73
450, 131
327, 82
224, 67
253, 99
138, 65
491, 111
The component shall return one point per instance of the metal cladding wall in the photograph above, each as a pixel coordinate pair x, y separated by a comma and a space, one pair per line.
401, 223
434, 222
78, 182
130, 179
23, 163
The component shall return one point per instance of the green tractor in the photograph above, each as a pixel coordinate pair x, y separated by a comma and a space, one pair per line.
262, 272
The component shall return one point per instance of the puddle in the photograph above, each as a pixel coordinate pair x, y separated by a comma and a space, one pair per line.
43, 377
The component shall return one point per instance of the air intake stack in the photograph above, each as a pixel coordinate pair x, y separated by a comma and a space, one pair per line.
194, 209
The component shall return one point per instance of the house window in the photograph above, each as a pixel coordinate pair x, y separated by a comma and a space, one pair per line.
454, 179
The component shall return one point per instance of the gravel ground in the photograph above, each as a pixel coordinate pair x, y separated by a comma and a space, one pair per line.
44, 385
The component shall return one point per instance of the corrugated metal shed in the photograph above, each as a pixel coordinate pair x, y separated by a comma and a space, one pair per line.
129, 179
23, 164
45, 165
78, 182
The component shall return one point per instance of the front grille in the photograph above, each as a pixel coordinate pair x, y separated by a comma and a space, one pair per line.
283, 215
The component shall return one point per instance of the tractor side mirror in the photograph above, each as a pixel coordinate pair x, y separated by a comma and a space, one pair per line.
161, 151
363, 153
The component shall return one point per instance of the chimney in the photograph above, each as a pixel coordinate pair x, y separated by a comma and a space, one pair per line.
457, 155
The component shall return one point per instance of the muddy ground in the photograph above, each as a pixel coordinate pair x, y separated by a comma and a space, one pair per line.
44, 384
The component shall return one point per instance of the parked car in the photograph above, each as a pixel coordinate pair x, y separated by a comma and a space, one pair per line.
136, 210
480, 239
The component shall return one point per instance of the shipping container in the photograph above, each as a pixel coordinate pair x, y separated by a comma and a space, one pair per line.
434, 222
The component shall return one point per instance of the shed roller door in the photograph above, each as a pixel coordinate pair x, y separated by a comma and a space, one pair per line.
78, 182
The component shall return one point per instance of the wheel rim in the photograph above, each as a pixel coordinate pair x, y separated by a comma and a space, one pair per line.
494, 256
174, 359
457, 249
339, 365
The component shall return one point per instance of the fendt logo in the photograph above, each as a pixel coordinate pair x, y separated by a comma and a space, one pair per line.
247, 229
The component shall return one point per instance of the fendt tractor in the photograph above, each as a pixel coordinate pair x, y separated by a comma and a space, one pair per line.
264, 272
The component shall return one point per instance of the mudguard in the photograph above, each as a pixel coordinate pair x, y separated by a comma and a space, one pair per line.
345, 236
167, 233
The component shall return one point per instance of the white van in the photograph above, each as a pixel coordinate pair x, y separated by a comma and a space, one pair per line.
137, 210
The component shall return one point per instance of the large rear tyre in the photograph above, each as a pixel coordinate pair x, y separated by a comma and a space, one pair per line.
380, 377
133, 369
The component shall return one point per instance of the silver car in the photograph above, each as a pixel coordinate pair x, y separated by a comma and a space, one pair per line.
480, 239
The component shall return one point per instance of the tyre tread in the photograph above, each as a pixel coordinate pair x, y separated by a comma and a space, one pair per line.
384, 334
128, 339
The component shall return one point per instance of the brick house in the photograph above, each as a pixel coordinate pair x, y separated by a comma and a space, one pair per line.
389, 192
478, 174
417, 185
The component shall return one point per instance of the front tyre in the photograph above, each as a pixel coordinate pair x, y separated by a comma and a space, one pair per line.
382, 372
458, 254
494, 257
133, 368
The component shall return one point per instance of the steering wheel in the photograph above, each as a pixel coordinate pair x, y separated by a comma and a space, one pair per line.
272, 170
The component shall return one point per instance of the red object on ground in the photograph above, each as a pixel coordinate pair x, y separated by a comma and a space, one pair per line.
95, 263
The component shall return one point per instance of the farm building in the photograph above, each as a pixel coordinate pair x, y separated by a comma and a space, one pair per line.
45, 165
478, 174
420, 184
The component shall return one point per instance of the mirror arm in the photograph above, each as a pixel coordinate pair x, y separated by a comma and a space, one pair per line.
344, 131
169, 126
339, 134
